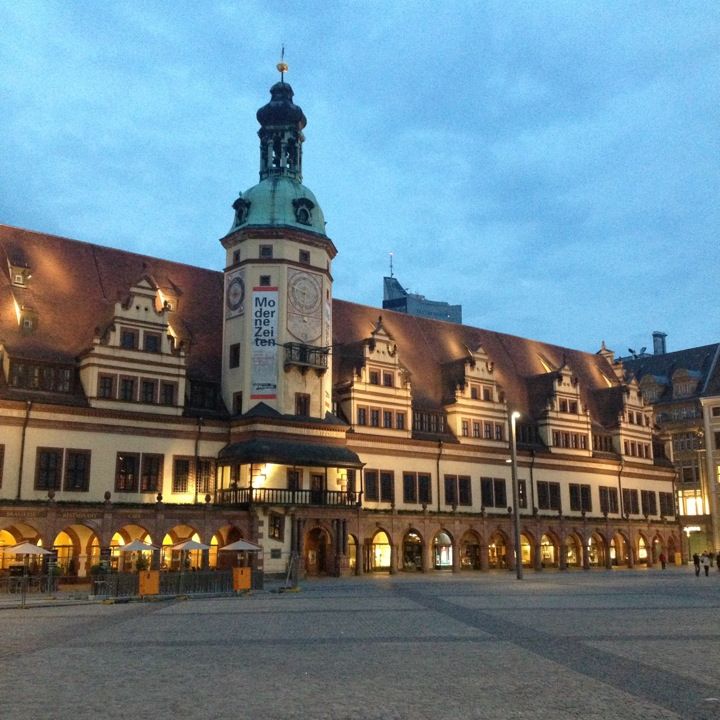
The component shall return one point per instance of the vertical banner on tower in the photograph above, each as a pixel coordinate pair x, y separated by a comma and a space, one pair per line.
264, 343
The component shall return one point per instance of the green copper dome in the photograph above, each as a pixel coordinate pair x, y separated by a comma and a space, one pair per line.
278, 201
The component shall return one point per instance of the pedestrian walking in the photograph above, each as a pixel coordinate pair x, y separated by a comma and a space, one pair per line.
705, 562
663, 560
696, 563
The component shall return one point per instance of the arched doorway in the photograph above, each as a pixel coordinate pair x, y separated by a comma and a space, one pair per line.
412, 551
643, 555
14, 535
470, 551
497, 552
317, 543
380, 552
352, 552
573, 551
596, 551
548, 552
619, 550
171, 559
75, 550
671, 549
224, 536
442, 551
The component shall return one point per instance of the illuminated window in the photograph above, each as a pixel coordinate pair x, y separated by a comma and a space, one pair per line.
126, 472
151, 473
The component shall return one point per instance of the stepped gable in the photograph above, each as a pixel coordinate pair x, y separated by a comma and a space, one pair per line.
425, 345
74, 288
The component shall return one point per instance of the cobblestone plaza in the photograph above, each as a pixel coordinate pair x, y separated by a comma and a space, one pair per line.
598, 644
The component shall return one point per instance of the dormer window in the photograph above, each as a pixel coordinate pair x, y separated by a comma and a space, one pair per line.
303, 210
242, 208
19, 274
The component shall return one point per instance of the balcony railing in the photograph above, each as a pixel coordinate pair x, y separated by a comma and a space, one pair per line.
281, 496
307, 356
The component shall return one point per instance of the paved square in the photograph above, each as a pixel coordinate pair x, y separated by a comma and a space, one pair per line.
596, 645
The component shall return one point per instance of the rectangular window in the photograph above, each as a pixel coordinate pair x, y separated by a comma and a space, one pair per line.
465, 428
387, 487
293, 480
374, 377
410, 488
522, 494
631, 506
451, 489
487, 393
424, 489
371, 485
488, 431
464, 494
548, 495
237, 403
500, 493
499, 431
205, 480
580, 497
474, 392
648, 499
148, 391
106, 387
374, 417
302, 404
152, 342
477, 432
388, 379
181, 475
608, 500
77, 471
127, 389
151, 473
276, 526
667, 504
234, 359
126, 472
304, 257
48, 468
168, 391
265, 281
128, 339
266, 252
400, 420
387, 419
362, 416
493, 492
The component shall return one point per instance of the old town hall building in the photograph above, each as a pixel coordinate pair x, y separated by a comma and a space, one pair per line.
142, 399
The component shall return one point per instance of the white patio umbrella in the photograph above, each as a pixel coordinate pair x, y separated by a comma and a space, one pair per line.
242, 546
27, 548
137, 546
190, 545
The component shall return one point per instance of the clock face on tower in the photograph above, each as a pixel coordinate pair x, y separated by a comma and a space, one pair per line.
304, 294
235, 294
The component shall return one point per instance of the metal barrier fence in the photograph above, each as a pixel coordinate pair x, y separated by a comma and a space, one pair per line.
127, 585
28, 584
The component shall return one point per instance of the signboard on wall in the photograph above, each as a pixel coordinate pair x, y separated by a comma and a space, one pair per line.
264, 343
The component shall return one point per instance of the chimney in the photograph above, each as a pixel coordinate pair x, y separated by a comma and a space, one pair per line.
659, 347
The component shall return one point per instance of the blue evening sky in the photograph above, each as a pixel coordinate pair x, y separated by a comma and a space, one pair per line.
553, 166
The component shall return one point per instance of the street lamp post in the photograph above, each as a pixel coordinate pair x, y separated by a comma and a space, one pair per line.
516, 494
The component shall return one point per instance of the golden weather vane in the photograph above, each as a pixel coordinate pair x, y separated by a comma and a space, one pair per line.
282, 66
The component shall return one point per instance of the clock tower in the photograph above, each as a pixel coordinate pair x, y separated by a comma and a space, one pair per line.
278, 288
